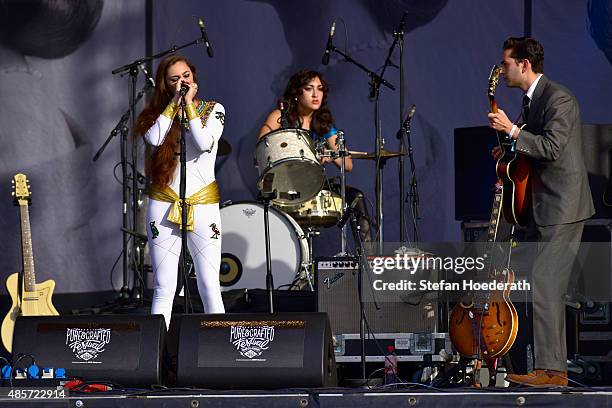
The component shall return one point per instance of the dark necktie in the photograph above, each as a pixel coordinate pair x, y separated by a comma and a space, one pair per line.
525, 108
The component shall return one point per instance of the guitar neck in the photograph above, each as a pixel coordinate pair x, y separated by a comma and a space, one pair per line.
493, 104
29, 277
495, 217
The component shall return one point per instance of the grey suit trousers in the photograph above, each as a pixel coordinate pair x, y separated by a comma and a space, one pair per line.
557, 247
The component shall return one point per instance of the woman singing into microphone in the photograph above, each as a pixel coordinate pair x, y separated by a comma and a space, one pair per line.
159, 126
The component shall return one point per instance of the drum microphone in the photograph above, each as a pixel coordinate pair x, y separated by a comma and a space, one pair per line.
328, 48
409, 117
204, 38
349, 210
268, 181
283, 106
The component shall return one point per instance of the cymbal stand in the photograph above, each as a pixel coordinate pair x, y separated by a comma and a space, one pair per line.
340, 142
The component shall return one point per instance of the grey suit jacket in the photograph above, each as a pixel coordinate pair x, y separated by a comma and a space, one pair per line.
560, 189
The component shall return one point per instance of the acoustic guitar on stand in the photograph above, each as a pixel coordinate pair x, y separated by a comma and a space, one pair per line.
512, 168
28, 297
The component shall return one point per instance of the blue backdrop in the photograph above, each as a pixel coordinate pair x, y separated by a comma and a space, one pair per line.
449, 49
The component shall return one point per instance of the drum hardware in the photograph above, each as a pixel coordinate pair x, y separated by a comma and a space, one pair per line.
334, 155
340, 142
311, 233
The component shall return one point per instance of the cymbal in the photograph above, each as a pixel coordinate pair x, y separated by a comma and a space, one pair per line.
384, 154
225, 147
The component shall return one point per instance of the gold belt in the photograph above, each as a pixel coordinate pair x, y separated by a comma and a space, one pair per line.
209, 194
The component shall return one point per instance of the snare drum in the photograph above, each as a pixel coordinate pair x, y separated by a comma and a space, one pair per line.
243, 257
288, 158
324, 210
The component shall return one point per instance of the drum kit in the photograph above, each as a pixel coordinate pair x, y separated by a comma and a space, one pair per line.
288, 162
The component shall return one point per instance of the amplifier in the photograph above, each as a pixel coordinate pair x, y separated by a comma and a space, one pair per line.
121, 349
337, 295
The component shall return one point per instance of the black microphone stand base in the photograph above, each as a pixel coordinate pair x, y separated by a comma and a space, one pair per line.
362, 383
265, 197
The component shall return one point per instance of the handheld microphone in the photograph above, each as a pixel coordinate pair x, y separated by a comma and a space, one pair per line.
409, 117
209, 49
184, 89
329, 46
349, 210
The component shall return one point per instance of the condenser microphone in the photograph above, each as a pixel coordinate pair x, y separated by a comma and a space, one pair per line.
329, 46
209, 49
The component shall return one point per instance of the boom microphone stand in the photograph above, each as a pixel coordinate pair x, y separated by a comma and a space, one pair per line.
375, 82
122, 128
398, 36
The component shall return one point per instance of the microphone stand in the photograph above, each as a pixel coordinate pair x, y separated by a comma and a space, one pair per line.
375, 82
361, 261
414, 191
398, 36
182, 194
265, 196
123, 129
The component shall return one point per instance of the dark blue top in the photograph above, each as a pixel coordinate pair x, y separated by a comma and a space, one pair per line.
332, 131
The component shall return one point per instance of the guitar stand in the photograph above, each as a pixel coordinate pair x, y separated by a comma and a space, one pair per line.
450, 377
491, 368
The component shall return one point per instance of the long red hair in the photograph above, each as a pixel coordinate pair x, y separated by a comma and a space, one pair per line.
163, 160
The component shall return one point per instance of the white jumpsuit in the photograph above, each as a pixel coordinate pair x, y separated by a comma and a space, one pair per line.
204, 242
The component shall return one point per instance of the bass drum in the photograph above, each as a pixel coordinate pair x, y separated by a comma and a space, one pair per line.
243, 250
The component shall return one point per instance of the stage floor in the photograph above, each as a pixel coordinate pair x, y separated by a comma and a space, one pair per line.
354, 398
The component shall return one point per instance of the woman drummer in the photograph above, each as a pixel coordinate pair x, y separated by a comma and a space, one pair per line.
304, 105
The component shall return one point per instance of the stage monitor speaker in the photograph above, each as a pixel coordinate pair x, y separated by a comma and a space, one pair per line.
121, 349
337, 295
253, 351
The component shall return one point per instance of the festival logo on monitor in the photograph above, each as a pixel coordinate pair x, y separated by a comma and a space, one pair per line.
87, 344
252, 341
